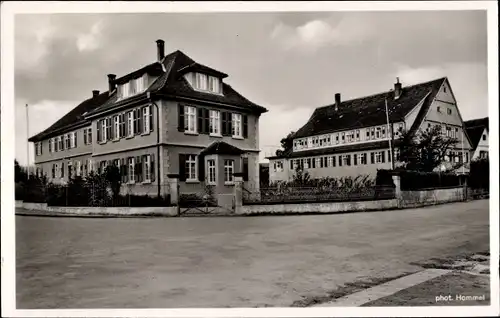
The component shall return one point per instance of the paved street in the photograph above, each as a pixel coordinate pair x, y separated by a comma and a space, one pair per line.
230, 262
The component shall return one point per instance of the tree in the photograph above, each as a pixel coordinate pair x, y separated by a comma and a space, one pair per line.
286, 144
424, 151
113, 177
20, 174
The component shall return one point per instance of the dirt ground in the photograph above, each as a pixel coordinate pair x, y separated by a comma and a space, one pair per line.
230, 262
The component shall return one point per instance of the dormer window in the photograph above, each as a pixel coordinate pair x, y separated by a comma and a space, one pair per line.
207, 83
133, 87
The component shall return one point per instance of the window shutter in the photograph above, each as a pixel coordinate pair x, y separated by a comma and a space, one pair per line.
138, 168
120, 125
85, 137
134, 121
201, 129
140, 113
122, 171
76, 139
224, 124
182, 167
348, 160
201, 168
125, 170
206, 118
180, 112
125, 126
229, 124
151, 117
62, 170
383, 156
245, 126
372, 157
152, 167
245, 169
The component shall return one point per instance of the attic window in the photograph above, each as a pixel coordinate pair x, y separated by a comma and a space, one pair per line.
207, 83
444, 89
449, 111
131, 88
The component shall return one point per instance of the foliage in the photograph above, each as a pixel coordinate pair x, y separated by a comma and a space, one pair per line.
416, 180
303, 180
114, 179
425, 150
301, 177
20, 174
286, 144
384, 178
479, 176
32, 189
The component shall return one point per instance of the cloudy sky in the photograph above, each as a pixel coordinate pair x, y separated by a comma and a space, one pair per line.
287, 62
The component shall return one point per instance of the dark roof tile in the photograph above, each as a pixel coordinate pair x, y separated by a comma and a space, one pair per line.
221, 148
72, 117
368, 111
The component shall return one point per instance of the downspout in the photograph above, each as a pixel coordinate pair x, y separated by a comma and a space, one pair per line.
157, 143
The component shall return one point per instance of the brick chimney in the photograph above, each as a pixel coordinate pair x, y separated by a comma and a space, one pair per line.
95, 93
160, 48
397, 89
111, 81
337, 101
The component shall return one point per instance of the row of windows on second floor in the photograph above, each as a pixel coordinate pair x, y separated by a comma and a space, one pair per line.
356, 159
139, 121
216, 123
347, 137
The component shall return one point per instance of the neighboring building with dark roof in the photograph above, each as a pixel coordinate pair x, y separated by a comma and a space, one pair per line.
158, 120
478, 132
350, 138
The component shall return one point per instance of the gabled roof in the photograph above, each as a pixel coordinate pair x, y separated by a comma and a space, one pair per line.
221, 148
172, 83
194, 67
475, 129
76, 115
368, 111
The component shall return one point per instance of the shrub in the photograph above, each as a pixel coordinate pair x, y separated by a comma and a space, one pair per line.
479, 177
384, 178
414, 180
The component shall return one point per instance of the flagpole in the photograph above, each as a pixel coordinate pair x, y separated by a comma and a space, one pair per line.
27, 142
389, 132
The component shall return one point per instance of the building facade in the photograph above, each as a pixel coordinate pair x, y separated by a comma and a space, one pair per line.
161, 120
478, 131
358, 136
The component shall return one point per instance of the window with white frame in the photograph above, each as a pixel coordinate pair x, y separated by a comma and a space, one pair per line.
378, 156
104, 130
191, 168
116, 127
201, 81
278, 166
336, 138
73, 139
60, 143
363, 158
147, 168
236, 125
211, 171
53, 142
78, 168
66, 141
190, 119
346, 160
214, 122
357, 135
145, 119
38, 148
228, 171
214, 85
131, 170
343, 137
130, 124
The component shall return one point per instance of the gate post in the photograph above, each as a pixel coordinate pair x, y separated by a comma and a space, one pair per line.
174, 188
397, 183
238, 192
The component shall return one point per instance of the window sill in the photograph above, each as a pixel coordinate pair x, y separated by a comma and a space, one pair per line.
146, 182
129, 137
130, 182
192, 181
191, 133
146, 133
229, 183
238, 137
216, 135
212, 183
116, 140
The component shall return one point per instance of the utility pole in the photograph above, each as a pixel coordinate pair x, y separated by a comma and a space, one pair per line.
389, 131
27, 142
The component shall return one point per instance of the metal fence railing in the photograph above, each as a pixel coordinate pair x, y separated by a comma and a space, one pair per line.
95, 195
311, 195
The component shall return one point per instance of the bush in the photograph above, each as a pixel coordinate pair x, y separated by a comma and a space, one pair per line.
384, 178
415, 180
190, 200
479, 177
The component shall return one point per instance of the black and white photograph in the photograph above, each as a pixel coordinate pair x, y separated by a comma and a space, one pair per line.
241, 159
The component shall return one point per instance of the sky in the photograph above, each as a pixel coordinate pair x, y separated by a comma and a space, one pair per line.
289, 62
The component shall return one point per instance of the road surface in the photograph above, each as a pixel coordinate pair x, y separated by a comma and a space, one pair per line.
233, 261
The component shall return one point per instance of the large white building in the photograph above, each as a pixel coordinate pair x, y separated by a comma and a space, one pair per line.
350, 138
